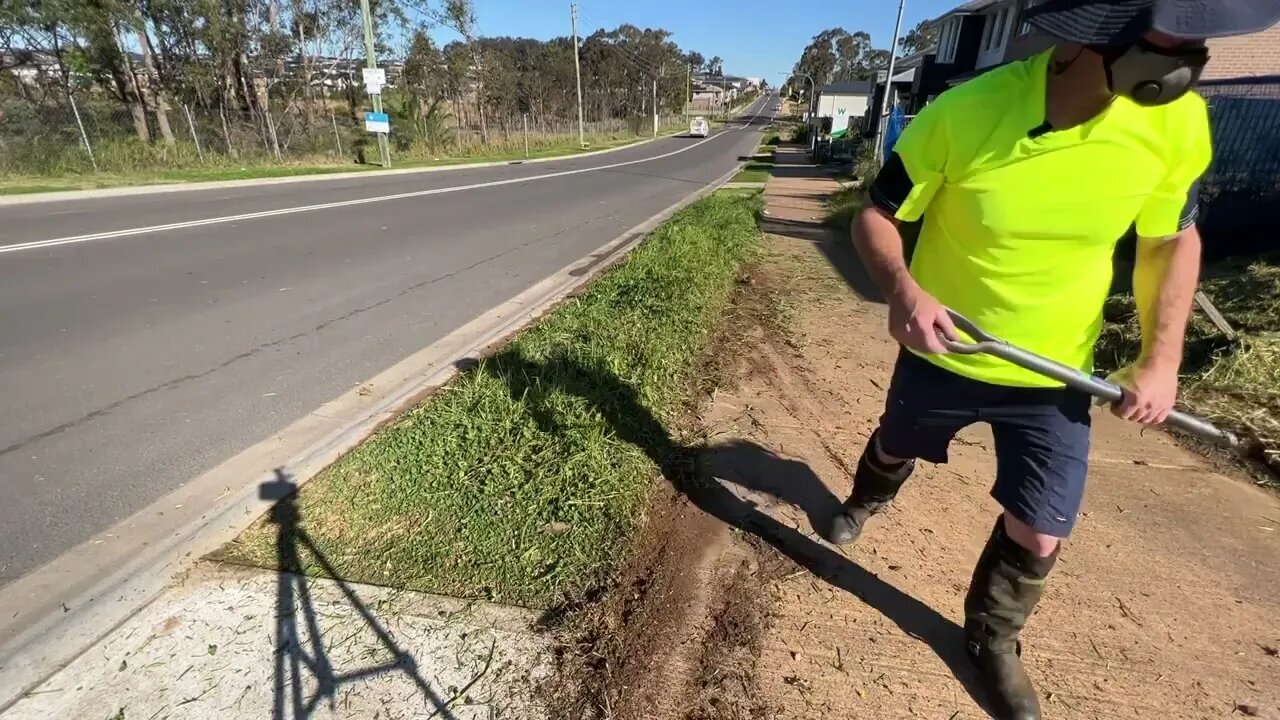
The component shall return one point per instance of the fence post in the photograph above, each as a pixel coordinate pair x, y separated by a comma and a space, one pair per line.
84, 136
192, 124
336, 137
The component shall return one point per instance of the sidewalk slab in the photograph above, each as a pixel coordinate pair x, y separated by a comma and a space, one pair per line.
233, 642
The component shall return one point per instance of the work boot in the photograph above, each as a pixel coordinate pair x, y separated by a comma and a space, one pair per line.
874, 486
1007, 584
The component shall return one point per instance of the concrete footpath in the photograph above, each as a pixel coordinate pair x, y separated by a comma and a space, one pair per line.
232, 642
1165, 603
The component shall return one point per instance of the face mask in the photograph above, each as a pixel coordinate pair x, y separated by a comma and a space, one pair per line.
1151, 75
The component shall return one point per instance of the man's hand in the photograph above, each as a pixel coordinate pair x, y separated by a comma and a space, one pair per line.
916, 318
1150, 391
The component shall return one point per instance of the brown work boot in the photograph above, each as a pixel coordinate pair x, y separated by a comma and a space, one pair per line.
874, 487
1007, 584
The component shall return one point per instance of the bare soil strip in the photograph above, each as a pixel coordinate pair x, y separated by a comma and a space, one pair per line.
1164, 604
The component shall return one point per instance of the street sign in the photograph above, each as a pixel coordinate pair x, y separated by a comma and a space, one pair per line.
374, 80
376, 122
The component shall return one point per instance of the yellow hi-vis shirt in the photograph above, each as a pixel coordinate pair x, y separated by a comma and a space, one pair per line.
1019, 228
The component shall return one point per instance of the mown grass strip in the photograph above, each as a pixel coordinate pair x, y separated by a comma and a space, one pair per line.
224, 169
522, 481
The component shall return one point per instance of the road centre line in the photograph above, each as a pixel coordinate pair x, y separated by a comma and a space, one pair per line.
76, 239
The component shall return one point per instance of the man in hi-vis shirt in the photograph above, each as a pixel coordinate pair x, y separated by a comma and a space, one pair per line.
1026, 177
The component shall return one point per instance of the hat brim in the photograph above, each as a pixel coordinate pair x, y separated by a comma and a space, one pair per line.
1108, 22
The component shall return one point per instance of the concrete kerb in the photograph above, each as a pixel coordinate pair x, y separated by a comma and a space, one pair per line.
64, 195
72, 603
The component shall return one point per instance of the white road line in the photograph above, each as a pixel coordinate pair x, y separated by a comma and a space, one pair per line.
75, 239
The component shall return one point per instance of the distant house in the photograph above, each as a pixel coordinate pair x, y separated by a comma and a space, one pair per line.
846, 103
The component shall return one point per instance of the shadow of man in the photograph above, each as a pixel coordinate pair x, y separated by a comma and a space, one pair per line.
298, 652
697, 473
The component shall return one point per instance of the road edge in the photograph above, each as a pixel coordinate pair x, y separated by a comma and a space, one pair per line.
61, 625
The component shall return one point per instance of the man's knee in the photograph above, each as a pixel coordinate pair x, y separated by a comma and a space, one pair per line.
1027, 537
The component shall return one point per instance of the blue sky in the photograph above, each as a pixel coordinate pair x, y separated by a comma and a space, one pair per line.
755, 37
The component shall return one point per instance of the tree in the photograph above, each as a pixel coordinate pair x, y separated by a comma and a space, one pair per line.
836, 55
715, 66
921, 37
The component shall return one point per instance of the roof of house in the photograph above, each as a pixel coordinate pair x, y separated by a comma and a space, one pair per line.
1244, 55
849, 87
969, 8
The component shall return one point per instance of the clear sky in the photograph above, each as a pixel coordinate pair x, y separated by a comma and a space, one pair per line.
756, 38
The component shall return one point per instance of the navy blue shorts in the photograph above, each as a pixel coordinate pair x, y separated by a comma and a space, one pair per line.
1041, 436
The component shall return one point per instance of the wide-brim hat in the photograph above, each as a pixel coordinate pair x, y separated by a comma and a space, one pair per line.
1111, 22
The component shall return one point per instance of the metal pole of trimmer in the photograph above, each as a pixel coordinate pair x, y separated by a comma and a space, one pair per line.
983, 342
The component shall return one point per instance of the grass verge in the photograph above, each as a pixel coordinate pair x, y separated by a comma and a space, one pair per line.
522, 481
759, 168
1234, 383
222, 169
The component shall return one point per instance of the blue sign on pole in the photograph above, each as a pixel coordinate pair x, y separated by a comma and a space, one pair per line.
376, 122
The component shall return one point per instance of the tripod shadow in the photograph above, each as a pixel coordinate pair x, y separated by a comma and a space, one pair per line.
724, 481
295, 654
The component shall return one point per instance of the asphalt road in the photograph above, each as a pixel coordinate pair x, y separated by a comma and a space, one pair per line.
134, 357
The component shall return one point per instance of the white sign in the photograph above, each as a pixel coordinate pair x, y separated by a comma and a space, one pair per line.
376, 122
374, 80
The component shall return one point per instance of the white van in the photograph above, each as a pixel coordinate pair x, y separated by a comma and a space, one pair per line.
699, 127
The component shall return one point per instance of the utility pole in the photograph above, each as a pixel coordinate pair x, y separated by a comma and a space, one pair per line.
577, 68
888, 86
371, 62
655, 107
688, 91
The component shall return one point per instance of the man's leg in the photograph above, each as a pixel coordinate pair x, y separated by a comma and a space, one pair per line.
1042, 449
926, 406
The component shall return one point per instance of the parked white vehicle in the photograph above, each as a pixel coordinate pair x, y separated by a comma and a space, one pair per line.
699, 127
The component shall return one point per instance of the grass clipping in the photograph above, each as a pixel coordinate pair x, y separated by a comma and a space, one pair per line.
1233, 383
522, 480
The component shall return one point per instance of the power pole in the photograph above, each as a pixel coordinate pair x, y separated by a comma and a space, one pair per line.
688, 91
371, 62
577, 68
888, 86
655, 107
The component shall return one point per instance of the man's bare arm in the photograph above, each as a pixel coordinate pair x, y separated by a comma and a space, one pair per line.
879, 244
1165, 276
915, 317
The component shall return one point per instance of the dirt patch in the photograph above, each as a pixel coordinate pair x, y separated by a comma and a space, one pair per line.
1163, 604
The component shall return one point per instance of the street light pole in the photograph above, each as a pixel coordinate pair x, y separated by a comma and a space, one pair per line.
577, 69
888, 87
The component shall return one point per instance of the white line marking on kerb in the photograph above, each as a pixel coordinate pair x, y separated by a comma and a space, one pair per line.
72, 240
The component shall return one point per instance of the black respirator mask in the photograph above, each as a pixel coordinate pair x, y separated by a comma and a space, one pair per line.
1151, 75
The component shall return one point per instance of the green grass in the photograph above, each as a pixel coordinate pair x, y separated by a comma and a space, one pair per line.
844, 205
221, 168
759, 169
523, 479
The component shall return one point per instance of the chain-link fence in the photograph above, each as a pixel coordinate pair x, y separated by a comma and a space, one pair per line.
68, 133
1240, 204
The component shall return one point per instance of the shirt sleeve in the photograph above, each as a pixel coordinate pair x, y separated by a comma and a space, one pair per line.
915, 171
1175, 204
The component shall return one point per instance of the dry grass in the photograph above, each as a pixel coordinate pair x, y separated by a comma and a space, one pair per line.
1234, 383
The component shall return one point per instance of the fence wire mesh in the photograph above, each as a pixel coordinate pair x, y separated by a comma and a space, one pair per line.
1240, 202
50, 132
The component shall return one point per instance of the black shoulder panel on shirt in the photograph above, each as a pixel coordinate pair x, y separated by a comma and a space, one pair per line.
892, 185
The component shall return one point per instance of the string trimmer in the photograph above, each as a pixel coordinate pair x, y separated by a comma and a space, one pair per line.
984, 342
